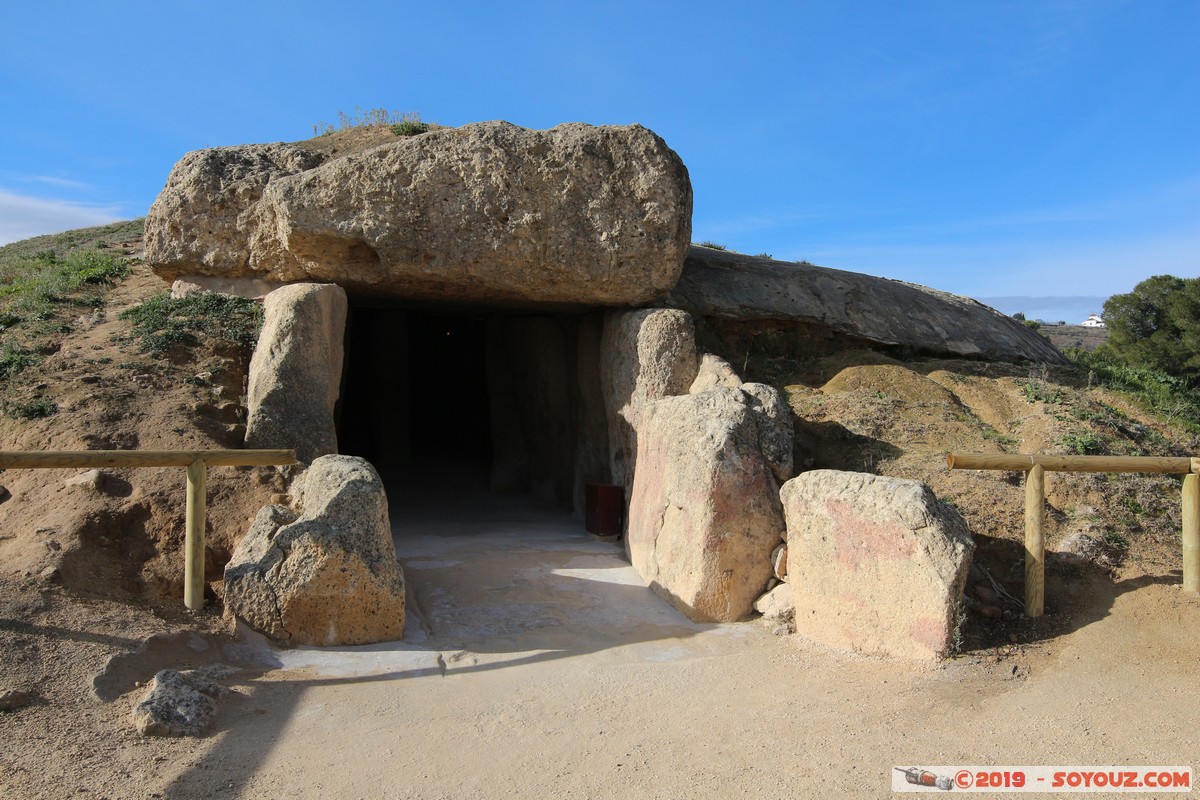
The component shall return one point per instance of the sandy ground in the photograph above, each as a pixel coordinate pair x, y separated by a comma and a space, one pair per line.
537, 665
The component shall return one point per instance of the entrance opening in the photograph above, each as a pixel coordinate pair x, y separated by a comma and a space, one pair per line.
451, 403
415, 399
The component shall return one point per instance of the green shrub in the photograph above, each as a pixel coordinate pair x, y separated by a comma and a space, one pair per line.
1169, 396
13, 359
1038, 390
163, 323
1085, 444
410, 125
1157, 326
34, 409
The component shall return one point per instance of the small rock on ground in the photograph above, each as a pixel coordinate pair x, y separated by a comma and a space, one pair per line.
15, 699
178, 703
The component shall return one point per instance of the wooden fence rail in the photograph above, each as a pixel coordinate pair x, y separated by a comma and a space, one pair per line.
1036, 467
197, 463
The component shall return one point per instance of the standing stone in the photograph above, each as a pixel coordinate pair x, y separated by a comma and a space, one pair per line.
296, 370
489, 212
646, 355
779, 561
876, 564
775, 430
705, 514
328, 575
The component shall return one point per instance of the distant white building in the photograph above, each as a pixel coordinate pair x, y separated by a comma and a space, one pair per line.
1093, 321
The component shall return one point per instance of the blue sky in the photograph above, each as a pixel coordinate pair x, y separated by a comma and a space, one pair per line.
983, 147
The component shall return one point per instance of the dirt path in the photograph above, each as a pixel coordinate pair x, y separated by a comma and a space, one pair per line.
542, 668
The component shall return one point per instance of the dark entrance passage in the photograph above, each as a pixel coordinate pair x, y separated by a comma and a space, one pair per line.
449, 403
415, 397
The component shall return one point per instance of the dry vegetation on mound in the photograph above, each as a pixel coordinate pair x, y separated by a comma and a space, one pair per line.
863, 410
87, 380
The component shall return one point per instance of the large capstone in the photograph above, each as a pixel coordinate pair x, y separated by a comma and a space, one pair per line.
488, 212
876, 564
749, 300
327, 574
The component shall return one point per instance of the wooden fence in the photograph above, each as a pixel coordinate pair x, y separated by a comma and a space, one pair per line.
196, 462
1036, 467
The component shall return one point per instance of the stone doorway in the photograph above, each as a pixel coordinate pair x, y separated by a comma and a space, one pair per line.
414, 396
474, 402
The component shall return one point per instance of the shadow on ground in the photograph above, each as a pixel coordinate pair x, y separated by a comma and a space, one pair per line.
1077, 594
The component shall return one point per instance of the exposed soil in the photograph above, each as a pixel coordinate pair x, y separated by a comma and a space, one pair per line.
575, 707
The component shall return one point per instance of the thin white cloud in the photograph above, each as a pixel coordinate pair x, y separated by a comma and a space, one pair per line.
53, 180
22, 216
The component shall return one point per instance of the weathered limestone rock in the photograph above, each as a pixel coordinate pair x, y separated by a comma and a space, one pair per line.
178, 704
646, 355
729, 285
714, 371
92, 480
777, 605
296, 370
488, 212
774, 420
329, 575
206, 213
704, 515
876, 564
779, 561
249, 288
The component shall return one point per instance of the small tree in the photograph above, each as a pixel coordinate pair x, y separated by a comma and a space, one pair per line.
1157, 326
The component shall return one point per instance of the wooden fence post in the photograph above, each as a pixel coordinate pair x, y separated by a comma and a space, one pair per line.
193, 546
1035, 554
1191, 533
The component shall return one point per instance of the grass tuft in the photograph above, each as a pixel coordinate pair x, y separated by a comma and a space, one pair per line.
401, 123
34, 409
162, 323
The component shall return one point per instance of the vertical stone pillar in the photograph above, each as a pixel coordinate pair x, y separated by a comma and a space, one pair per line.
296, 371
